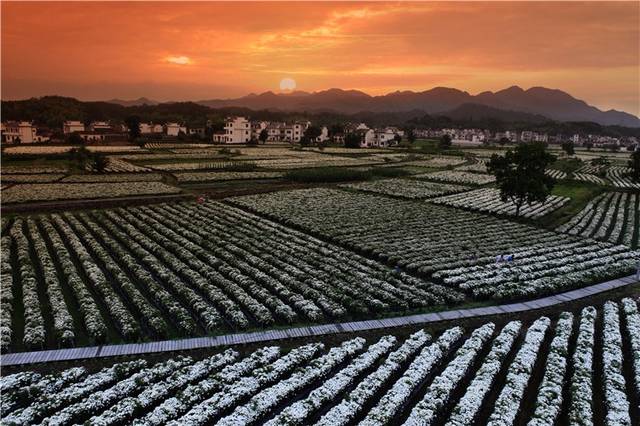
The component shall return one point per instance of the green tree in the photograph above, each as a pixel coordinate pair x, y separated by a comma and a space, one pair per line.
634, 163
503, 141
411, 136
568, 147
75, 139
312, 133
352, 140
133, 124
98, 162
264, 135
520, 174
397, 138
444, 142
336, 129
79, 157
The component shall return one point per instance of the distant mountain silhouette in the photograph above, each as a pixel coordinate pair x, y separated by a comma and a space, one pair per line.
550, 103
134, 102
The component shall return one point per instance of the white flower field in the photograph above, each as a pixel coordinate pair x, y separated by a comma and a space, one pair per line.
455, 247
185, 269
455, 176
570, 368
488, 200
612, 216
28, 192
407, 188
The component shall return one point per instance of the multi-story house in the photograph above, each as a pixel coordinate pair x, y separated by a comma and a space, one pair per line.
22, 132
72, 126
100, 126
237, 130
324, 135
150, 128
174, 129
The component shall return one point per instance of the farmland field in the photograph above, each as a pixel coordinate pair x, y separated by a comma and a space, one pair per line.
185, 269
568, 368
404, 188
488, 200
612, 216
457, 247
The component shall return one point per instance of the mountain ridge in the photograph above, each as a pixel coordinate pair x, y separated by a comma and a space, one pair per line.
553, 104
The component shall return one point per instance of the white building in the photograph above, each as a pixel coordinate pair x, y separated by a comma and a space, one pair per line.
22, 132
92, 136
72, 126
149, 128
379, 138
237, 130
174, 129
100, 126
324, 135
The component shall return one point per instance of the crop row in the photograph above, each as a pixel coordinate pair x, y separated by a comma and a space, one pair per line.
460, 177
28, 192
488, 200
612, 216
185, 269
556, 174
407, 188
581, 368
587, 177
619, 177
450, 244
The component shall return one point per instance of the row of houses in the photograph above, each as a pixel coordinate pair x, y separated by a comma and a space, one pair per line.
242, 130
479, 136
97, 131
238, 130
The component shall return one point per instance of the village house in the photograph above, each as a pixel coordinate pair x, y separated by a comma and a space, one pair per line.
150, 128
21, 132
72, 126
324, 135
237, 130
174, 129
100, 126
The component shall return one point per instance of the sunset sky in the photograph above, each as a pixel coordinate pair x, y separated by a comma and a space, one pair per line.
192, 51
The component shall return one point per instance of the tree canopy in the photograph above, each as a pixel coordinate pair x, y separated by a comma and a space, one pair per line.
133, 124
568, 147
352, 140
634, 163
444, 142
520, 174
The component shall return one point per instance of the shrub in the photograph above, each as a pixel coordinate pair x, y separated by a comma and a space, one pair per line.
327, 174
390, 172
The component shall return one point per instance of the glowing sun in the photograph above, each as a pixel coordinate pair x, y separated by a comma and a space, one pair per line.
287, 84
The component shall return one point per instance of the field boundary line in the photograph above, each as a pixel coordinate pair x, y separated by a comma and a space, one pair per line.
104, 351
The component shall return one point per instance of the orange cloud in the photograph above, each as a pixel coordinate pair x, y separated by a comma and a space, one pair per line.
103, 50
178, 60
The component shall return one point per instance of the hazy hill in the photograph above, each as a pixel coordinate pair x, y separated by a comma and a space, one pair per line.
550, 103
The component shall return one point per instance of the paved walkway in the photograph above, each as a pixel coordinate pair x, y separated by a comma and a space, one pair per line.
104, 351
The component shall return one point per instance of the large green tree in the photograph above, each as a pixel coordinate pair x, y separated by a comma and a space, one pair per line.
312, 133
445, 142
352, 140
411, 135
568, 147
520, 174
133, 124
264, 135
634, 163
